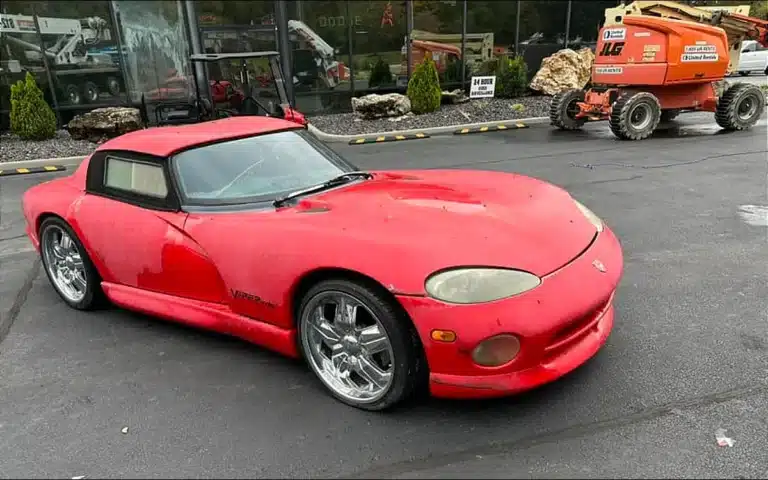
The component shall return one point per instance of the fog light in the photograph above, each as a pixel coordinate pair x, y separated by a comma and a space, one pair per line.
496, 350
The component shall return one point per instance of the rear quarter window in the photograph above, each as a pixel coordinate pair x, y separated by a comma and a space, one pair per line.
135, 177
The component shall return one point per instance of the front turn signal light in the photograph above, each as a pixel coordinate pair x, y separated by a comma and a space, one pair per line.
496, 351
446, 336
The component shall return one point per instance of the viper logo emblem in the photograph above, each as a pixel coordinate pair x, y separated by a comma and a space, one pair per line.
599, 266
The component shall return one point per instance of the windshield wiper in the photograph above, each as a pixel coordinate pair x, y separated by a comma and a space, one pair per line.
334, 182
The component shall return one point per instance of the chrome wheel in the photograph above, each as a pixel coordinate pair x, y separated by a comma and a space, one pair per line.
64, 263
347, 347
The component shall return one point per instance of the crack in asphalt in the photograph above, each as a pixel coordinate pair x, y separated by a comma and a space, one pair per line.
13, 238
592, 166
575, 431
6, 321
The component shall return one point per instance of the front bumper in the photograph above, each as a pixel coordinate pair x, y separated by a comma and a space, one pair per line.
561, 324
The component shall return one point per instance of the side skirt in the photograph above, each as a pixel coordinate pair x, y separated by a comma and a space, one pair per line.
204, 315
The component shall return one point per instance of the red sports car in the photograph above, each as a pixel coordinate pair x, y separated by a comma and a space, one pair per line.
471, 283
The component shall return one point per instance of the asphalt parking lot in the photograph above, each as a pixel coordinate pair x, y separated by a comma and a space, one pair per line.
688, 355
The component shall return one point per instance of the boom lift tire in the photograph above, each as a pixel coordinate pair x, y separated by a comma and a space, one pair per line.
635, 115
740, 107
563, 108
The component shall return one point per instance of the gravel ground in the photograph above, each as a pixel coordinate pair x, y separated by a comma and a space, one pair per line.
12, 149
474, 111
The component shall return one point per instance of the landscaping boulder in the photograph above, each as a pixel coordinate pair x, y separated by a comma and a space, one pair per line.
454, 97
564, 70
104, 123
379, 106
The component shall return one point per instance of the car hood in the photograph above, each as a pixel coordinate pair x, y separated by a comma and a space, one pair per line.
441, 219
398, 228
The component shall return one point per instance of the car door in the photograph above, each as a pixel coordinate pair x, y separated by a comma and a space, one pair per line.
131, 223
748, 60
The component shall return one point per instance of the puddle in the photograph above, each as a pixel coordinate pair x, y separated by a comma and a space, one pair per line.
755, 215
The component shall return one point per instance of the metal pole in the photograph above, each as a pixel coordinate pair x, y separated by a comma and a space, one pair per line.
568, 24
350, 33
464, 45
284, 47
408, 29
115, 14
200, 73
517, 29
51, 85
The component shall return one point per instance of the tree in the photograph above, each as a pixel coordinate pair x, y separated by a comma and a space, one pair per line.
31, 116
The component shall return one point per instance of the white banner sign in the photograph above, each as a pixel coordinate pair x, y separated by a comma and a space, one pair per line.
482, 87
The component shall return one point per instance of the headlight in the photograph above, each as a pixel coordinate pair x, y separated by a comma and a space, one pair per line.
479, 285
590, 216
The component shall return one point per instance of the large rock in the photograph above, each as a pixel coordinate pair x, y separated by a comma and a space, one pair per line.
564, 70
104, 123
378, 106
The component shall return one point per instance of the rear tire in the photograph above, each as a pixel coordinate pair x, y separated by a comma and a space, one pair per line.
91, 91
740, 107
563, 107
635, 115
355, 377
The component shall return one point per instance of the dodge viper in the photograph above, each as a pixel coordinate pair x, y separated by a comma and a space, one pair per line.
460, 283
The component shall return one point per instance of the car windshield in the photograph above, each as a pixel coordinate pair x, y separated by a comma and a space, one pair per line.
256, 169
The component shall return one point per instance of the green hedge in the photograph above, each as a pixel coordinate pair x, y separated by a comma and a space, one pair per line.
424, 88
380, 74
31, 116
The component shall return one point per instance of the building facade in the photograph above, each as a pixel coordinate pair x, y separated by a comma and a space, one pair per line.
99, 53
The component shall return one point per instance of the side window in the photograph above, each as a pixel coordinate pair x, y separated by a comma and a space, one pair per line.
135, 177
749, 48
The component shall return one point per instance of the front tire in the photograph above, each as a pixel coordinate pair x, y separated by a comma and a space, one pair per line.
360, 344
563, 109
740, 107
68, 267
635, 115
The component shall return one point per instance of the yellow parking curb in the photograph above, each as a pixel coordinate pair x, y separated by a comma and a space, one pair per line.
495, 128
24, 171
387, 138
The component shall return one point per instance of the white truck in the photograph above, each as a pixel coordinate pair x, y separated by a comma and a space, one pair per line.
754, 58
79, 73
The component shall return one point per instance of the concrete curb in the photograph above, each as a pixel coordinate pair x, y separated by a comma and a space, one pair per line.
58, 163
449, 129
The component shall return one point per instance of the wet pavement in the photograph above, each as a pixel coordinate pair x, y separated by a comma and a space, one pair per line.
688, 355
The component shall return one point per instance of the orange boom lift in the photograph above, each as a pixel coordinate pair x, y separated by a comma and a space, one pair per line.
655, 60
